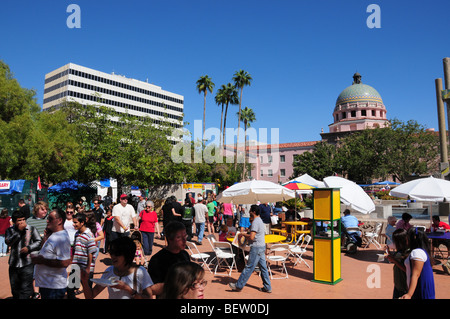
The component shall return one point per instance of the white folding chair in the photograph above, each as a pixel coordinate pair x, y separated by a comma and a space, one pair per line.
372, 236
299, 250
223, 252
196, 255
280, 254
296, 245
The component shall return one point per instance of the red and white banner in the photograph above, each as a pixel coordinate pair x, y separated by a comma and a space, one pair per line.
5, 184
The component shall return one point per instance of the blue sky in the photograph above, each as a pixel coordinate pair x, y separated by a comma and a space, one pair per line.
301, 54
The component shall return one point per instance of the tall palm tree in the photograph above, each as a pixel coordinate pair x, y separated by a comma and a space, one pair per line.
204, 84
241, 78
221, 100
230, 97
247, 117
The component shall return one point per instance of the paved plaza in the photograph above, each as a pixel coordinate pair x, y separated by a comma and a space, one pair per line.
363, 278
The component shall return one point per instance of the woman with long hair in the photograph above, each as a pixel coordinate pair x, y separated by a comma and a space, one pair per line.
419, 270
185, 280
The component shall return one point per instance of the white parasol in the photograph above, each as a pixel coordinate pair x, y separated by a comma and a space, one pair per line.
351, 193
251, 192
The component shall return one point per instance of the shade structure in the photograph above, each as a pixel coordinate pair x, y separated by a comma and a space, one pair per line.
305, 178
300, 188
424, 189
251, 192
386, 183
351, 193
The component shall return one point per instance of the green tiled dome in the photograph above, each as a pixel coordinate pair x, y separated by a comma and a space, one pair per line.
359, 93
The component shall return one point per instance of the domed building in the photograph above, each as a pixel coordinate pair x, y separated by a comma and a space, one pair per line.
358, 107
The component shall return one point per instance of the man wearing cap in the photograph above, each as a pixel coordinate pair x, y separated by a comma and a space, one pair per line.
124, 214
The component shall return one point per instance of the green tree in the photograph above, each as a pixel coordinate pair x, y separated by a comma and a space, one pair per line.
320, 163
14, 100
230, 97
241, 78
133, 150
204, 84
248, 117
220, 99
38, 144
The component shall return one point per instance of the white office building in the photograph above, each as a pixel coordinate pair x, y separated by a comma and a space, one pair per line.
73, 82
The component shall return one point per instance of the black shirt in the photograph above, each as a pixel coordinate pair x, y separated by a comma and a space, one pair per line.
160, 263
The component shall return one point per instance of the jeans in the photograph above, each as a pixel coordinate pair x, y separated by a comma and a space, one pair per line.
50, 293
147, 242
21, 281
115, 235
200, 229
256, 257
3, 246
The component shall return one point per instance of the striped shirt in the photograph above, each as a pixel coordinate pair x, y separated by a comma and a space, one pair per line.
39, 223
84, 245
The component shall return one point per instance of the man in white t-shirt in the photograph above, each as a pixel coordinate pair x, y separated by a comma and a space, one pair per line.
201, 213
50, 272
124, 214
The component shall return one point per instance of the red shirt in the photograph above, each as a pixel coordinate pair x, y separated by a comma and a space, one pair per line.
4, 224
442, 225
148, 221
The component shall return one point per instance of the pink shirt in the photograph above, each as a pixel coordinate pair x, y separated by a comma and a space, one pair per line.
227, 209
401, 224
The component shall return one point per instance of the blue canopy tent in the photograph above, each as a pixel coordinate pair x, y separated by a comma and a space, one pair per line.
386, 183
67, 186
15, 186
69, 191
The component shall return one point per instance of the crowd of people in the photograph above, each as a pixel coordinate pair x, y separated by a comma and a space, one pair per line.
53, 253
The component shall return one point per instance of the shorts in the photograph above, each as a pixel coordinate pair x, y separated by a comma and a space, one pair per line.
211, 219
244, 222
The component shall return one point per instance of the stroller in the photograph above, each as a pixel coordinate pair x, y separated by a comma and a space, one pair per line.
350, 240
218, 217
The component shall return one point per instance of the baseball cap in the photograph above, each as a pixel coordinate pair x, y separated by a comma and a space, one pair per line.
123, 196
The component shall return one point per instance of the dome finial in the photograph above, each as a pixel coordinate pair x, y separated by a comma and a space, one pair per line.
356, 78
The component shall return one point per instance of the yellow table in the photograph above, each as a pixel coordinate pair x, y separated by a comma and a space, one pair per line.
269, 239
293, 230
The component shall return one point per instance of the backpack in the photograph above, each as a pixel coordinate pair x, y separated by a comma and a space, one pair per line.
188, 213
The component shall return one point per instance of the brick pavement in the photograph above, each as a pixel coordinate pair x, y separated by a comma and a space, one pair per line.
357, 274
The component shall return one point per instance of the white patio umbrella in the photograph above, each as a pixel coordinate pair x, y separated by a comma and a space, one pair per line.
251, 192
352, 194
428, 189
424, 189
306, 179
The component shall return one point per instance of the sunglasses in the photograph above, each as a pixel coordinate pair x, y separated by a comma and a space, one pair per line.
69, 213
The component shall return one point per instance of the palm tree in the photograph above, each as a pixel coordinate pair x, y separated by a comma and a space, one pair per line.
204, 84
247, 117
241, 78
230, 97
221, 100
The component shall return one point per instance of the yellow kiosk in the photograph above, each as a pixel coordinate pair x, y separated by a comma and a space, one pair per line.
326, 235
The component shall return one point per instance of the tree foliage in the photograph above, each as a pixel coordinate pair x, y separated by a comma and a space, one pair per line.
400, 150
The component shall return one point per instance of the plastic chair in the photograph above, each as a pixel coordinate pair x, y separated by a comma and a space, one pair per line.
280, 254
299, 250
372, 236
196, 255
223, 252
